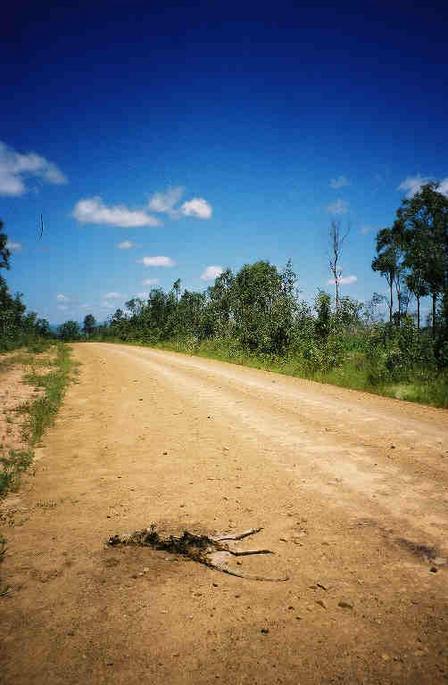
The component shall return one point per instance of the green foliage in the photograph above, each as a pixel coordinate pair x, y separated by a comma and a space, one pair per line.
413, 257
39, 414
42, 411
17, 326
69, 331
255, 317
394, 354
263, 307
89, 325
11, 466
324, 319
5, 254
257, 307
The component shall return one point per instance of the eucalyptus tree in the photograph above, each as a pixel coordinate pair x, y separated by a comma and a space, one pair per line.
419, 288
69, 330
262, 307
423, 223
337, 239
387, 262
220, 308
5, 254
89, 325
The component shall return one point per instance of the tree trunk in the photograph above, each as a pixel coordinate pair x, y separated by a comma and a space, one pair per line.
391, 303
434, 305
418, 313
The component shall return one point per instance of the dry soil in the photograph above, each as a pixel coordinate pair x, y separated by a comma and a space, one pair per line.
350, 489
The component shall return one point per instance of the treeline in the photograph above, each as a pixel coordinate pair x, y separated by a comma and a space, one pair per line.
17, 325
257, 311
413, 256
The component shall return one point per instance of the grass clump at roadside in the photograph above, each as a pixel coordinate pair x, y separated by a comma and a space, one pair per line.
11, 466
41, 413
51, 375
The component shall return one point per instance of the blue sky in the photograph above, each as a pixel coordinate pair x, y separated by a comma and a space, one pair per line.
228, 132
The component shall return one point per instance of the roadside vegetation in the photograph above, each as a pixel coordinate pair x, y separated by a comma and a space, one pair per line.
395, 344
45, 363
256, 316
30, 358
18, 327
48, 371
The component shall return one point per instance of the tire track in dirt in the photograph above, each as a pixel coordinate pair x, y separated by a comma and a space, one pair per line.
352, 469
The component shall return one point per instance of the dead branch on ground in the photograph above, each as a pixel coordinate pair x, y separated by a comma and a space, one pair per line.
211, 551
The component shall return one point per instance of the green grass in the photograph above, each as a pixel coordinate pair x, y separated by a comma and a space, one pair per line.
11, 466
40, 413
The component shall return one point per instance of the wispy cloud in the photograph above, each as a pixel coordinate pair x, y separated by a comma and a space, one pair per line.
365, 230
93, 211
443, 187
339, 182
198, 208
165, 203
338, 207
62, 307
344, 280
126, 245
13, 246
150, 281
113, 296
156, 261
62, 298
412, 184
17, 168
211, 272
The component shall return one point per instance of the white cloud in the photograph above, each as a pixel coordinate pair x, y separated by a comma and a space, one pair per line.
365, 230
113, 296
13, 246
142, 295
93, 211
197, 207
126, 245
62, 298
339, 182
443, 187
338, 207
156, 261
344, 280
62, 307
211, 272
150, 281
164, 203
16, 168
412, 184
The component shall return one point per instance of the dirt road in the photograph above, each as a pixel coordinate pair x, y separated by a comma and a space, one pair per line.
350, 489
